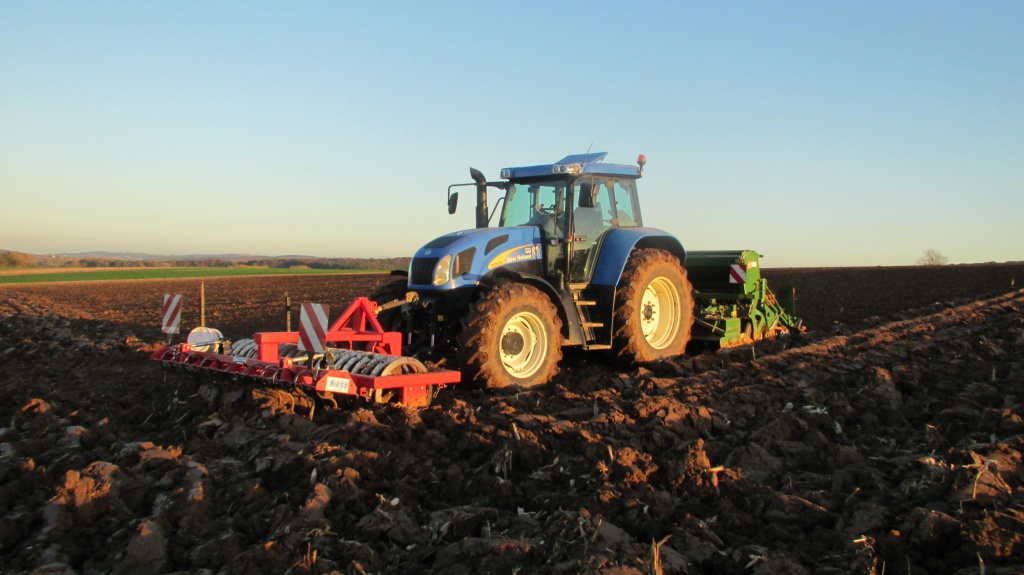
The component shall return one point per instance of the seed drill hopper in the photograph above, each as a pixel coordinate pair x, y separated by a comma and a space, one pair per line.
732, 302
358, 359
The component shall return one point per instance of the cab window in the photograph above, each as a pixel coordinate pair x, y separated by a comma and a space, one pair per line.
623, 213
537, 204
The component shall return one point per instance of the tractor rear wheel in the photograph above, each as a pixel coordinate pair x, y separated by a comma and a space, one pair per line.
512, 336
654, 307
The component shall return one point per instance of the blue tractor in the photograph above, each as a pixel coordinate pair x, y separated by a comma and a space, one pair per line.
567, 263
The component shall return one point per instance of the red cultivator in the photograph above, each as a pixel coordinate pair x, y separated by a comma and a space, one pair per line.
359, 359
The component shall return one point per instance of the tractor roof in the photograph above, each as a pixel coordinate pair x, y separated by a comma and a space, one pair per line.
576, 164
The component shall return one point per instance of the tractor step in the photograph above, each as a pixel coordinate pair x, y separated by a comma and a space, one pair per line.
583, 307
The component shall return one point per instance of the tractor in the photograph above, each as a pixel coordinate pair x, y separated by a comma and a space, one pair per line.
568, 262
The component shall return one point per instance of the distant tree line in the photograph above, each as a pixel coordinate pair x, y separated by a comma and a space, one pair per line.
933, 257
332, 263
16, 259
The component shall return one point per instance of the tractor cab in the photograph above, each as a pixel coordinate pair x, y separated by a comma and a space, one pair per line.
572, 202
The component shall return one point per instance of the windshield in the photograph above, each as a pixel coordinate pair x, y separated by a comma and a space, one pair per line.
539, 204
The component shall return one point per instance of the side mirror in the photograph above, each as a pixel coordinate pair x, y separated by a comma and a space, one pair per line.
453, 202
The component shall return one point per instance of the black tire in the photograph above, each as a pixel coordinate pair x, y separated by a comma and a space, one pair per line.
391, 319
654, 307
512, 336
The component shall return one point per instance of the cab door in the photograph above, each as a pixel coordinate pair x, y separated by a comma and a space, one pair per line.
591, 217
612, 204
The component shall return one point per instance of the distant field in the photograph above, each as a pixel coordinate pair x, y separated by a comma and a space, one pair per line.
22, 275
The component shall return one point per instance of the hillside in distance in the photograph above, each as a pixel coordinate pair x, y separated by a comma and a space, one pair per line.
169, 257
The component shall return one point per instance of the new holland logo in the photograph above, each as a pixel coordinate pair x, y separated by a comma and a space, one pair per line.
519, 254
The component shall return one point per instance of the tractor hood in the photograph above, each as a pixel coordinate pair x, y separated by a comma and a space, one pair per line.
462, 258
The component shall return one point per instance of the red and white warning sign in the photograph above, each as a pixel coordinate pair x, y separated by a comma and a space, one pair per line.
738, 274
172, 313
313, 327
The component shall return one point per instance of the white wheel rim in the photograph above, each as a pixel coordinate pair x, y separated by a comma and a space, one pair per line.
659, 312
523, 344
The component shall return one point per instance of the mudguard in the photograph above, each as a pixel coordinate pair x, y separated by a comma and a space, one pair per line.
618, 243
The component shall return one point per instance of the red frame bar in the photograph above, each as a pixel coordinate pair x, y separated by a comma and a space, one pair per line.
358, 323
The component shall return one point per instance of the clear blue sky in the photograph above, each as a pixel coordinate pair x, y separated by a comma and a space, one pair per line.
818, 133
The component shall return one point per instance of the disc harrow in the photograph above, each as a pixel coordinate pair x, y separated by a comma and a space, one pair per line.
376, 372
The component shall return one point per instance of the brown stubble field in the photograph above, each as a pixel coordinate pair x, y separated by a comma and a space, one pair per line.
887, 438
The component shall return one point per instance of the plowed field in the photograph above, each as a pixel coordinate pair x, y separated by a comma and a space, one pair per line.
888, 438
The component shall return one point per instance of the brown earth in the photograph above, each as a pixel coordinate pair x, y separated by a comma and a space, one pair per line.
888, 438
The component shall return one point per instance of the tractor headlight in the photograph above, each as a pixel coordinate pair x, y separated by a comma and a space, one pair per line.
565, 169
443, 271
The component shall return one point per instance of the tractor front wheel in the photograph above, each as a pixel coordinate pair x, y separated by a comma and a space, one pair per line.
654, 307
512, 336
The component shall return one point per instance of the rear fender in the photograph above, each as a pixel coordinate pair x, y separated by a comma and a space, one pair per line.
618, 243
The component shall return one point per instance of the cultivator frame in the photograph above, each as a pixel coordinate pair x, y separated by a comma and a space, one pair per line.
375, 373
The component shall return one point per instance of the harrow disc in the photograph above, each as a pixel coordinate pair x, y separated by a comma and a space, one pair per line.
245, 347
290, 350
375, 364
